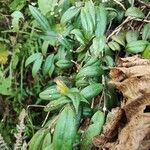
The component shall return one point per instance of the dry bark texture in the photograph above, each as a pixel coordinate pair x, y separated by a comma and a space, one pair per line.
130, 127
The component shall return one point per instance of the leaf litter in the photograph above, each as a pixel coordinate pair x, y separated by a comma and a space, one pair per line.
129, 128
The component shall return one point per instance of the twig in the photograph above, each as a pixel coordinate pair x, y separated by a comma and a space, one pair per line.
143, 22
143, 3
45, 119
116, 1
117, 29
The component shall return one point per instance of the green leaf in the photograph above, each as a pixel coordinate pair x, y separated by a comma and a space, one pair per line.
64, 64
79, 36
137, 46
134, 12
46, 6
88, 18
17, 4
93, 130
65, 130
90, 13
91, 91
95, 71
91, 61
146, 32
37, 140
69, 14
98, 45
101, 20
84, 19
56, 104
42, 21
132, 36
32, 58
36, 66
50, 93
16, 17
48, 64
75, 98
114, 46
45, 47
146, 53
47, 140
131, 2
5, 86
120, 38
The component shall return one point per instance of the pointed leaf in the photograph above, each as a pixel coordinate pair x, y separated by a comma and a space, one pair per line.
48, 64
75, 98
42, 21
36, 66
69, 14
32, 58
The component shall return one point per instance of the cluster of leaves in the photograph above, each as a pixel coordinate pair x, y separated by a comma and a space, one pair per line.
69, 46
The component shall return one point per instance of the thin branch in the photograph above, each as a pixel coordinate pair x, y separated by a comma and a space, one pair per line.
119, 3
143, 3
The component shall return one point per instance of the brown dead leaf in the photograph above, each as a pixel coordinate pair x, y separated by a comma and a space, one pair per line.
135, 60
132, 78
134, 134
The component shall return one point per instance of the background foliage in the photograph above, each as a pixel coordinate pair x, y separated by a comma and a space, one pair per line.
55, 57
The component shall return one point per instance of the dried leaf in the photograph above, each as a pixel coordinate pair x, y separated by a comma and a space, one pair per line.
131, 124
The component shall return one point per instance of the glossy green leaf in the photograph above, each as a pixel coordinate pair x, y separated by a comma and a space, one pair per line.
65, 130
94, 129
134, 12
75, 97
91, 91
98, 45
50, 93
137, 46
90, 71
64, 64
36, 66
132, 36
146, 53
42, 21
48, 64
146, 32
56, 104
101, 20
69, 14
